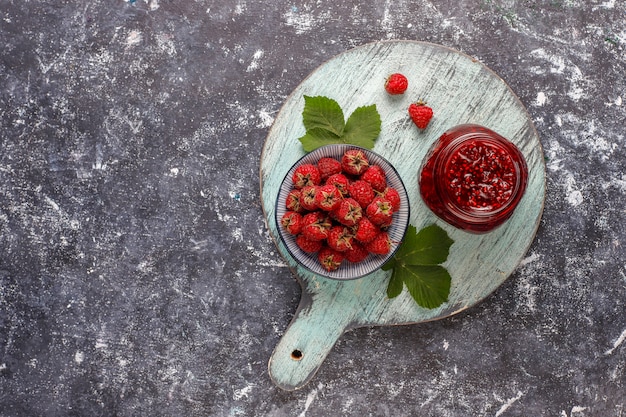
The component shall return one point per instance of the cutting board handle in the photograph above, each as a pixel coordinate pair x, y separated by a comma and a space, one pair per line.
314, 330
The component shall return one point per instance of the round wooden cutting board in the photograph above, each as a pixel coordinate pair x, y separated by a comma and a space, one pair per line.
460, 90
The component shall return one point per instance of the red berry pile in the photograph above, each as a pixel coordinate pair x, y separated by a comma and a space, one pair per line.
341, 209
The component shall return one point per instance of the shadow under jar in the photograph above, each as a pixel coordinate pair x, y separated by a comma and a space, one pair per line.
473, 178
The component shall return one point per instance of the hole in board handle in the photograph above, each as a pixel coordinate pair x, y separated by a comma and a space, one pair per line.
296, 355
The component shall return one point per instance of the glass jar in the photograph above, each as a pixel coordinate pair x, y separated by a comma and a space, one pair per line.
473, 178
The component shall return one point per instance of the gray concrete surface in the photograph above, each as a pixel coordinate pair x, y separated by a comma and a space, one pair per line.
137, 277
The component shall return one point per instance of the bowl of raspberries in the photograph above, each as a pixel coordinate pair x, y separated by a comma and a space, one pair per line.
342, 211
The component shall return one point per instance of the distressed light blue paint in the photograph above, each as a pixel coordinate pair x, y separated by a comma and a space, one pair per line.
460, 90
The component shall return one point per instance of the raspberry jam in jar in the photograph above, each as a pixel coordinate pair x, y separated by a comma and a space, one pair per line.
473, 178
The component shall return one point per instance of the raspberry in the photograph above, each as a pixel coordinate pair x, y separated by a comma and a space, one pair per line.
349, 212
392, 195
292, 222
330, 258
380, 245
357, 253
328, 197
316, 225
380, 212
306, 174
375, 175
328, 166
340, 181
354, 162
366, 231
308, 245
292, 202
362, 192
396, 84
340, 208
340, 238
307, 199
420, 114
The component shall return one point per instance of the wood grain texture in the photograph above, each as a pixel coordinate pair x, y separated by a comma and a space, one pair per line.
460, 90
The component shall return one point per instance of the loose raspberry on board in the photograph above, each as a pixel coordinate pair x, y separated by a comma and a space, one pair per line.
421, 114
396, 84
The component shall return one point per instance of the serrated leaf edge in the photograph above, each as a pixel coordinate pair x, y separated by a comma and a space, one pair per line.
368, 143
400, 262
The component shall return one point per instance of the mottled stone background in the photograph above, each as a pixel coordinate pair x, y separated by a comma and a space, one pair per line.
137, 277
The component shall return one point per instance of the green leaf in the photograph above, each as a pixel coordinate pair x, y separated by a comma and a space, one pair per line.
416, 265
324, 123
323, 113
390, 264
428, 247
363, 127
429, 285
395, 285
317, 137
